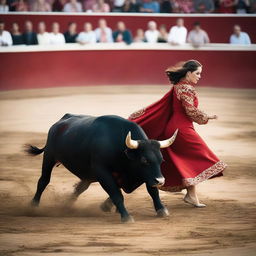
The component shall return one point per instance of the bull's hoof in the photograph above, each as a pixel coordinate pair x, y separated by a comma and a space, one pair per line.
106, 206
127, 219
162, 213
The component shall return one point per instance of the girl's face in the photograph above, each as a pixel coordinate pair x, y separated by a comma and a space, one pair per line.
194, 76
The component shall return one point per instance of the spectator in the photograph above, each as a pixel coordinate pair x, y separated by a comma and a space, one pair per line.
103, 33
122, 34
118, 4
139, 38
152, 33
242, 6
3, 6
166, 6
43, 37
253, 6
178, 33
20, 6
197, 36
203, 6
73, 6
71, 34
163, 34
239, 37
87, 36
88, 5
58, 5
5, 36
185, 6
131, 6
150, 6
101, 6
41, 6
17, 37
226, 6
56, 38
29, 37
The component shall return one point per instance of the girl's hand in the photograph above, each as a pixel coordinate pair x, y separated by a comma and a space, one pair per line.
213, 117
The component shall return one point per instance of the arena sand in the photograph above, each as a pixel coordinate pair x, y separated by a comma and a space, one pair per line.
227, 226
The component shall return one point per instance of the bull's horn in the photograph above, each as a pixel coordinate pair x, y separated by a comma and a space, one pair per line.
168, 142
132, 144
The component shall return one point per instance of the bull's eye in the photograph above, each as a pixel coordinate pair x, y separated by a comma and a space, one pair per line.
144, 160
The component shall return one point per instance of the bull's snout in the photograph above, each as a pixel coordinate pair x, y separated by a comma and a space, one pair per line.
159, 182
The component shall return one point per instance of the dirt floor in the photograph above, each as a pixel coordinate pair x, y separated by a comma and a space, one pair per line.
227, 226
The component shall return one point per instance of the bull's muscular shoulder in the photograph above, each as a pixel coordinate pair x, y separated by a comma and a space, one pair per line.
68, 115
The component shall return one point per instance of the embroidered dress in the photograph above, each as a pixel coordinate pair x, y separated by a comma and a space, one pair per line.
188, 160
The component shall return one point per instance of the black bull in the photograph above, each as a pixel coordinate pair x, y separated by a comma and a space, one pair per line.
100, 149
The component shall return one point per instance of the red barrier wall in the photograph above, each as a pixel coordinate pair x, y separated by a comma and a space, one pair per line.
218, 27
115, 67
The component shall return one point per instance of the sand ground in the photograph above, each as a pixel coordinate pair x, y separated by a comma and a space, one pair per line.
227, 226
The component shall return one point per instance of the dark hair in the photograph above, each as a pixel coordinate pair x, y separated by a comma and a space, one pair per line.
179, 71
197, 23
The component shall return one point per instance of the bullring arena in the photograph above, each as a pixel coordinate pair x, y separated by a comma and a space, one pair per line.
34, 96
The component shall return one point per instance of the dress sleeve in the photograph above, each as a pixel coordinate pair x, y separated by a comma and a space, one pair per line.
186, 94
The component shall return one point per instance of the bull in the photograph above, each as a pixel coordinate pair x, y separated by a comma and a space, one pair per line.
100, 149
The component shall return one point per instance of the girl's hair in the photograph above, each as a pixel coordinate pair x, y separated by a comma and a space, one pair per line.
179, 71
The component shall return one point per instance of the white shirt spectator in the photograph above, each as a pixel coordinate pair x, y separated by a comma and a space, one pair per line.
104, 36
44, 39
86, 37
4, 8
68, 7
152, 36
119, 3
5, 39
177, 35
57, 39
243, 38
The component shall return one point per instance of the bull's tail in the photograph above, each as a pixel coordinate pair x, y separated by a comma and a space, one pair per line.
32, 150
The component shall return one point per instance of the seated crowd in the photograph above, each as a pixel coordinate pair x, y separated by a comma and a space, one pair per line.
177, 35
143, 6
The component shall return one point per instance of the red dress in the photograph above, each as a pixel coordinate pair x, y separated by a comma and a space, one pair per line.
188, 160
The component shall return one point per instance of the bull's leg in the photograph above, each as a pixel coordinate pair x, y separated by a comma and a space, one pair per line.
161, 210
48, 163
80, 187
109, 185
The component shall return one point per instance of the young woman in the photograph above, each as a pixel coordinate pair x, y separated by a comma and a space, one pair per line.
188, 161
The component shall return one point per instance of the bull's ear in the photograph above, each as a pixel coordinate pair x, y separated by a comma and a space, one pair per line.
130, 154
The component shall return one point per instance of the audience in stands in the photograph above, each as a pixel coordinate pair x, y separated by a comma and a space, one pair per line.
226, 6
178, 33
204, 6
122, 34
197, 36
20, 6
4, 7
58, 5
73, 6
185, 6
17, 37
103, 32
152, 33
150, 6
87, 36
56, 38
71, 34
239, 37
29, 36
88, 5
163, 34
166, 6
43, 37
100, 6
131, 6
139, 37
242, 6
41, 6
117, 5
5, 36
